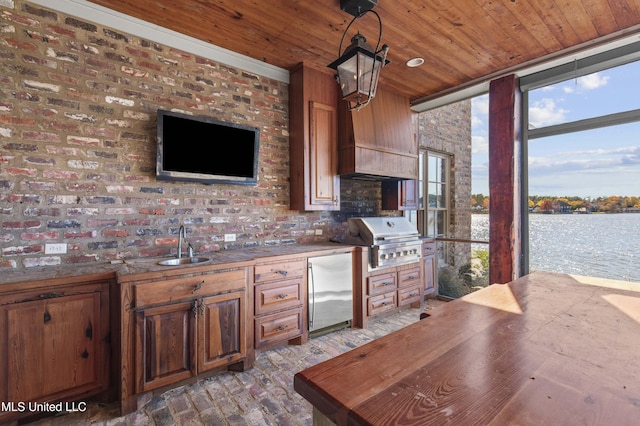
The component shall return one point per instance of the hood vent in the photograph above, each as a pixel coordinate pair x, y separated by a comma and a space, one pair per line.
379, 142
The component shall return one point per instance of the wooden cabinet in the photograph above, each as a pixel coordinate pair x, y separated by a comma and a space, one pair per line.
179, 340
165, 345
379, 140
410, 286
430, 258
391, 288
400, 195
221, 335
182, 326
279, 297
313, 151
55, 342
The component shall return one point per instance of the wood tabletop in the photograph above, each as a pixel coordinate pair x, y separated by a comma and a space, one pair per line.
547, 348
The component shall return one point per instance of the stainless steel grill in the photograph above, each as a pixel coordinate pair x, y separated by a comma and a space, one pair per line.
392, 240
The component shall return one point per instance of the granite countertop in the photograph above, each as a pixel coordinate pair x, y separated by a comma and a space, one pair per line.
144, 265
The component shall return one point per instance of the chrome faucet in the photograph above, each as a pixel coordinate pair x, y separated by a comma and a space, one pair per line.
181, 235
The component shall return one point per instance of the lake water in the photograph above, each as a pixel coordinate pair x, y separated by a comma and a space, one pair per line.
597, 245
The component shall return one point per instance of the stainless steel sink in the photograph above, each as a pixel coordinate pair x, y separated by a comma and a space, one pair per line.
183, 261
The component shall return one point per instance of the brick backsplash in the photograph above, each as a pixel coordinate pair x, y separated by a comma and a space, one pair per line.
78, 106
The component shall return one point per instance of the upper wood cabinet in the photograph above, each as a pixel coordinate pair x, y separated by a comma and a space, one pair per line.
315, 184
379, 140
400, 195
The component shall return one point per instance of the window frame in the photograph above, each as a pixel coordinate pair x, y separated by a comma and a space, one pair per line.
421, 216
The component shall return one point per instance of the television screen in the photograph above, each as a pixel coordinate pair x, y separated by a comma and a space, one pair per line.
206, 150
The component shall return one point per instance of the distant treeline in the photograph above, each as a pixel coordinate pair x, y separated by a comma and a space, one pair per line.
543, 203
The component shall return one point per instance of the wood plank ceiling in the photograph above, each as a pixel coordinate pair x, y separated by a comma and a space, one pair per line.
462, 42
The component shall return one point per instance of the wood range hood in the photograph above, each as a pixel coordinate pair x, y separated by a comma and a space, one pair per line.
379, 142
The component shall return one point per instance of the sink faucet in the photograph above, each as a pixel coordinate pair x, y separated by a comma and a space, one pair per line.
181, 236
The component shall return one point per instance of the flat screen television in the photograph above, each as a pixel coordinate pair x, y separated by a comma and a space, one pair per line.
206, 150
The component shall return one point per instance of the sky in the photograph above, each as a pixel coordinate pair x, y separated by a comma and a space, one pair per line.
594, 163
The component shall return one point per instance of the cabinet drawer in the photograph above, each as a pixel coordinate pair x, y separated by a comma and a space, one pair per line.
429, 248
409, 277
189, 287
408, 295
276, 296
381, 283
279, 270
381, 303
277, 327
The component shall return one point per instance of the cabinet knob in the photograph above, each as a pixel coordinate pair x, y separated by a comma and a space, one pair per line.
282, 272
282, 296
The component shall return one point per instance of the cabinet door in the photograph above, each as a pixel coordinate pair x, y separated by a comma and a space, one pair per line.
165, 343
429, 251
402, 195
323, 152
430, 276
221, 330
55, 347
409, 191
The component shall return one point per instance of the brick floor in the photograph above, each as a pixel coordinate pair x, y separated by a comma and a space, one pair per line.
262, 395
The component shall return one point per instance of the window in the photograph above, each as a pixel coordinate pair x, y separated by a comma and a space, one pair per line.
580, 144
431, 218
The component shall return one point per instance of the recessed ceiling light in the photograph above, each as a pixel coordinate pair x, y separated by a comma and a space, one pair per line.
415, 62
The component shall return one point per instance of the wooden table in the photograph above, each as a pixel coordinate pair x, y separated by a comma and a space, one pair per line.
544, 349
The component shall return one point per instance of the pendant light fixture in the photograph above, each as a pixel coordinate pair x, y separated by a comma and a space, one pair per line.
358, 67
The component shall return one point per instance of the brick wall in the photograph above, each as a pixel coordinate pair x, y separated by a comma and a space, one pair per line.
448, 130
78, 103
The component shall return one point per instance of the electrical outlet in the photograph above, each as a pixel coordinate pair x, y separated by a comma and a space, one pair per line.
58, 248
229, 237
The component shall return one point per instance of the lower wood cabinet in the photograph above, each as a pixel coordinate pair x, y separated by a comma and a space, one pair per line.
179, 340
221, 334
165, 345
410, 285
391, 288
279, 300
54, 343
279, 327
183, 326
430, 259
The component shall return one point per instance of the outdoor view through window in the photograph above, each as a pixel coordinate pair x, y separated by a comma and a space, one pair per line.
584, 187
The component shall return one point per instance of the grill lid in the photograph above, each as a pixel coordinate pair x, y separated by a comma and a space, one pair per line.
379, 230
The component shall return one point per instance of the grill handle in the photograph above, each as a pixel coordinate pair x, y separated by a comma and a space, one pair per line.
410, 237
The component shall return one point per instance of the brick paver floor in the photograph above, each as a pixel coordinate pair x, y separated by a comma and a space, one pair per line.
262, 395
